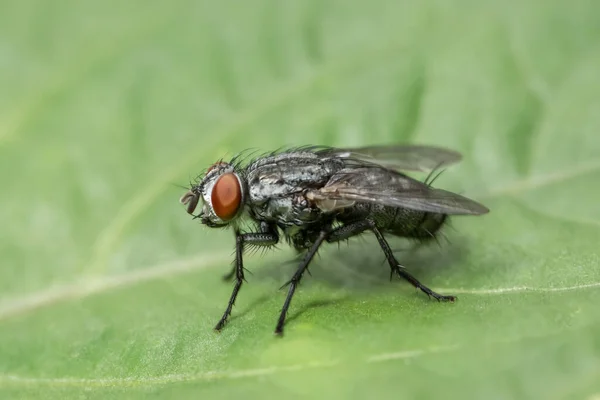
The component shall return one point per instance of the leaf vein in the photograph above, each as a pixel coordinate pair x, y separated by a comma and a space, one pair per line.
7, 379
539, 181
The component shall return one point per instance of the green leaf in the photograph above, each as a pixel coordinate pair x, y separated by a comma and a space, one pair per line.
109, 290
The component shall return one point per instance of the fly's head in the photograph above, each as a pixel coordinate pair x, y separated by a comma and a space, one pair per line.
221, 194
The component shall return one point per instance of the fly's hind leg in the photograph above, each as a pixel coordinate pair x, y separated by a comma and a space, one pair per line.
359, 227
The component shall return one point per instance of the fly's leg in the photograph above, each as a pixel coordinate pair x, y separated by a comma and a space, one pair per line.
401, 272
268, 237
347, 231
357, 228
293, 283
229, 276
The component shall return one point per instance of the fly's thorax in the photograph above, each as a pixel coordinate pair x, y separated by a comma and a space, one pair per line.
291, 210
222, 191
285, 174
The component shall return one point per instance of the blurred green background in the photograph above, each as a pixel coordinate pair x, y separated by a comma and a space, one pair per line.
109, 290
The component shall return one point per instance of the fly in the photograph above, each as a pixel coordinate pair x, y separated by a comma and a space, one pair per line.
314, 195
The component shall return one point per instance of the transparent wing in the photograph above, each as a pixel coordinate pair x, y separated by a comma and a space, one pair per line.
401, 157
387, 187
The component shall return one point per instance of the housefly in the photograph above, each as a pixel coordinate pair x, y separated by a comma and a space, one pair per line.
312, 195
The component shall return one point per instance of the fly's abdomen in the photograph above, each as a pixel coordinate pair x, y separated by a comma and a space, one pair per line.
398, 221
415, 224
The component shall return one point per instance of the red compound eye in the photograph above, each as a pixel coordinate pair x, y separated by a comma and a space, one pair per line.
226, 196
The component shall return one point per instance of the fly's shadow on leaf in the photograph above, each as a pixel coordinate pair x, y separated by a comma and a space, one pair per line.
256, 303
361, 264
312, 305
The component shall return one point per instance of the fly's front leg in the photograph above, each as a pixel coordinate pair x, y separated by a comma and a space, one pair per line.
347, 231
268, 237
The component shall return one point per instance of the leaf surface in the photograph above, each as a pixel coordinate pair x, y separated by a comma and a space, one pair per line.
109, 290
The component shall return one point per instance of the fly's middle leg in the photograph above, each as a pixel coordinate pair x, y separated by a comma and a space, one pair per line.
359, 227
295, 281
